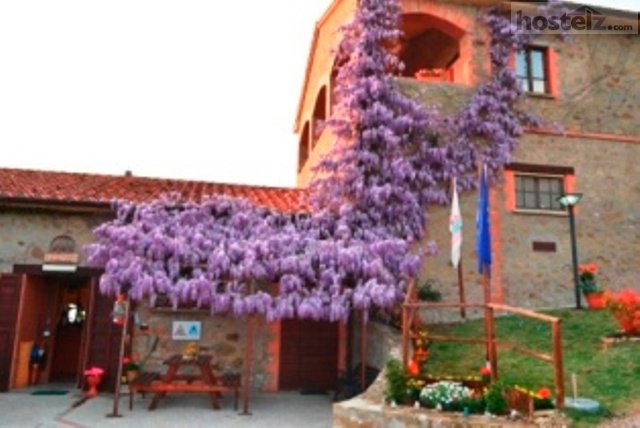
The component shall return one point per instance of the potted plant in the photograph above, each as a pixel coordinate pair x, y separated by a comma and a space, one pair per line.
590, 287
130, 368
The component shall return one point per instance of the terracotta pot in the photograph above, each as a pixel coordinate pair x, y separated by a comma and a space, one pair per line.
131, 375
92, 382
595, 300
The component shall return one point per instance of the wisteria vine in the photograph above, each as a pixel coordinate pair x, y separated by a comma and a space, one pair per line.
361, 243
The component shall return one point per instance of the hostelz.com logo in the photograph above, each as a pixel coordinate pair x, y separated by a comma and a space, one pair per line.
581, 20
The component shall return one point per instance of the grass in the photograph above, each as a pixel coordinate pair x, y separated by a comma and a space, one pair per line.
610, 376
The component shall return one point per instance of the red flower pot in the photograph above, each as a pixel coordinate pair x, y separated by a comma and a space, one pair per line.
93, 378
92, 382
595, 300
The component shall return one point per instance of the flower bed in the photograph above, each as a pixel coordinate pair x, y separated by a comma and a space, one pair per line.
625, 307
466, 394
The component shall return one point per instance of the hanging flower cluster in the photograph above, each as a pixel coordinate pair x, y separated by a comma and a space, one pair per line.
360, 244
223, 253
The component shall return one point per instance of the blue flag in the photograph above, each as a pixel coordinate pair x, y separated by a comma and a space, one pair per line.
483, 227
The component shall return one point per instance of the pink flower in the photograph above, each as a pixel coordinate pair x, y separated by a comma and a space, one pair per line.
94, 371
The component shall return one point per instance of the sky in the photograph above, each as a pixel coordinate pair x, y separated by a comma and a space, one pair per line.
190, 89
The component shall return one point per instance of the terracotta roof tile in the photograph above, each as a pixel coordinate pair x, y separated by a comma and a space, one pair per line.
52, 187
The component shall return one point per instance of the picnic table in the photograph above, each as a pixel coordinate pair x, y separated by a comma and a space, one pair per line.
203, 381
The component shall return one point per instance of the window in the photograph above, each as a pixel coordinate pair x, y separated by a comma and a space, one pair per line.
532, 70
537, 192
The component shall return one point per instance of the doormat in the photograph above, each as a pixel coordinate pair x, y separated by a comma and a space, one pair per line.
50, 392
313, 392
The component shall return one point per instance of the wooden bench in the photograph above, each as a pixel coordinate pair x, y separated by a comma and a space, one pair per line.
152, 382
142, 384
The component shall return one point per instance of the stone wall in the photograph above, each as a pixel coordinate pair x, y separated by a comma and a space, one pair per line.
607, 222
223, 337
383, 343
26, 234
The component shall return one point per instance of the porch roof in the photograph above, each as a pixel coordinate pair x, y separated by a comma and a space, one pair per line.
81, 190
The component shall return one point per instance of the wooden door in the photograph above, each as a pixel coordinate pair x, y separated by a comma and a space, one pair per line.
104, 338
9, 302
308, 355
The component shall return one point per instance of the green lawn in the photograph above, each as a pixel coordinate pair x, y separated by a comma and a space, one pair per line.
610, 376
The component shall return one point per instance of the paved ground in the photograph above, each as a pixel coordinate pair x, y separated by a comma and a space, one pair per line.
281, 410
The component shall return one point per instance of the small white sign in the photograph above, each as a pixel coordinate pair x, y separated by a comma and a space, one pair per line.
186, 330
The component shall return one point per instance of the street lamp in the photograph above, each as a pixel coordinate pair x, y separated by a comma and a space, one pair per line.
570, 200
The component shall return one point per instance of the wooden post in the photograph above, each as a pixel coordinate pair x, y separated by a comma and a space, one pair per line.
116, 396
556, 337
246, 370
489, 324
405, 336
463, 300
491, 344
363, 352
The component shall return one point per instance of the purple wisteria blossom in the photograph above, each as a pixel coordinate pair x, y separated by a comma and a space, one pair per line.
362, 242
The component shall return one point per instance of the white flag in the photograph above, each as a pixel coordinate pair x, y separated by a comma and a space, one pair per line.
455, 227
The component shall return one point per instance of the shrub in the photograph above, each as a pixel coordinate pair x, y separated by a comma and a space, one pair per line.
427, 292
494, 398
625, 307
396, 381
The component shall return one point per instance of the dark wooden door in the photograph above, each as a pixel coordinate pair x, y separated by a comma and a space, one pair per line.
9, 302
308, 355
66, 355
104, 338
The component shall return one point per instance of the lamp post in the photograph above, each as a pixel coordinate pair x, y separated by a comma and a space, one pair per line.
570, 200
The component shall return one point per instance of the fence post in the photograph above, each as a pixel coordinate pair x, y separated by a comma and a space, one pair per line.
556, 337
405, 336
492, 351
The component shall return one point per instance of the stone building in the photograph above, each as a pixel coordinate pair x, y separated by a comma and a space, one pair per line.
586, 86
46, 218
589, 86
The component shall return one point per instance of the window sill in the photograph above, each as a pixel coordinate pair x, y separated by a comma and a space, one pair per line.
553, 213
544, 96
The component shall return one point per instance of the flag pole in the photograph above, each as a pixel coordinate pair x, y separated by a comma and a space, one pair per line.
463, 301
455, 227
461, 290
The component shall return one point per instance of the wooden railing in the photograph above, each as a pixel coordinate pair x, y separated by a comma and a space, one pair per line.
411, 320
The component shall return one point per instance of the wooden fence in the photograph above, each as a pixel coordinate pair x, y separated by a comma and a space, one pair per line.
411, 320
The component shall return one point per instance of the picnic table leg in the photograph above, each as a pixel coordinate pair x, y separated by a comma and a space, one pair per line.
209, 379
168, 378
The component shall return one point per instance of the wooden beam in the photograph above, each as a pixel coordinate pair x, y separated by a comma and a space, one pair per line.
524, 312
123, 339
526, 351
363, 352
556, 337
461, 291
453, 339
405, 335
443, 305
246, 369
